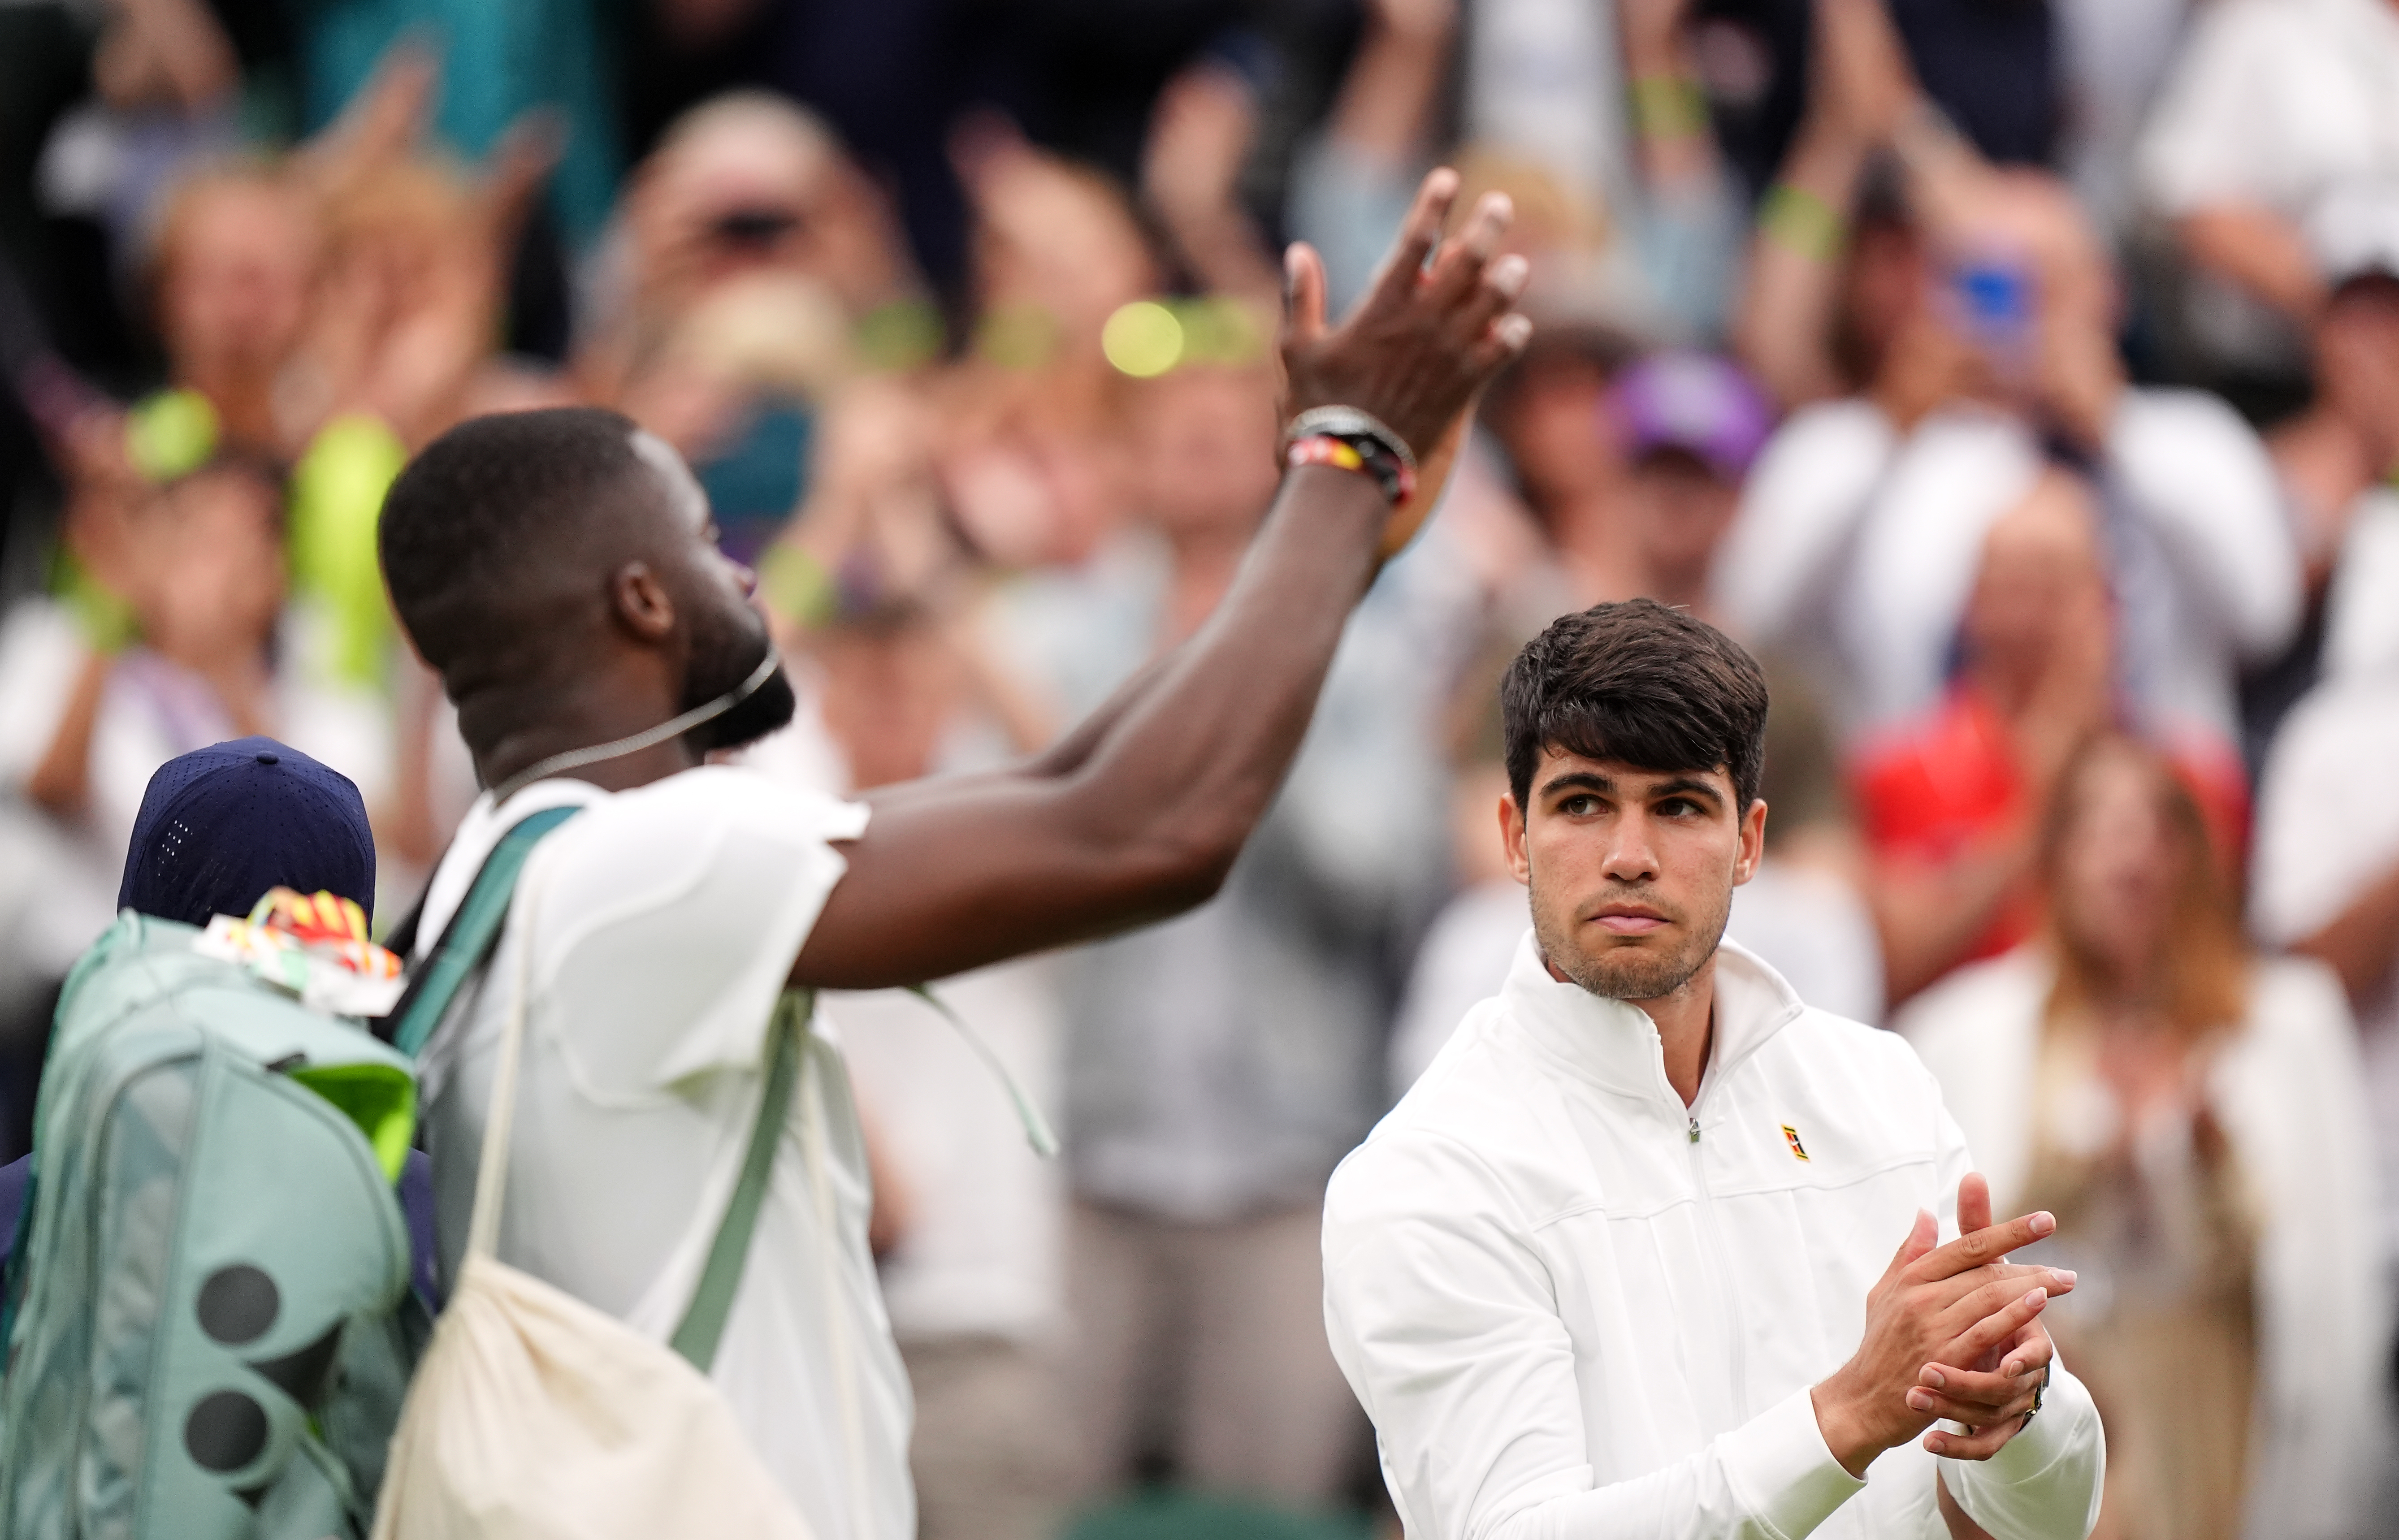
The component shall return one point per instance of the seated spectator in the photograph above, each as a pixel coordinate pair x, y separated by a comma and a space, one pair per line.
2193, 1114
2274, 105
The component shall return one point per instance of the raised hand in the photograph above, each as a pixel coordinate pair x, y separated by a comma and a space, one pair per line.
1934, 1307
1421, 345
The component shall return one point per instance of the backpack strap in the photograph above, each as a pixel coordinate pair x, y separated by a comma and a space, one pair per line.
466, 941
712, 1301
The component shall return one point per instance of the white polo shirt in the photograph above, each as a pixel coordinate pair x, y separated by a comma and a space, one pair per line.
1576, 1308
665, 921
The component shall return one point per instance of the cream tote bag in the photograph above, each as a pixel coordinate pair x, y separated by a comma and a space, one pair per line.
534, 1417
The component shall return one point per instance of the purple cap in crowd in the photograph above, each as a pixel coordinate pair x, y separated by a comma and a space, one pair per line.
1696, 403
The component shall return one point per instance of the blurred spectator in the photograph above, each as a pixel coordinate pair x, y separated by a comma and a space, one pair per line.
2327, 850
1549, 415
1219, 1065
1602, 108
744, 184
1692, 424
232, 271
1352, 180
2192, 1115
2337, 457
201, 562
2116, 55
497, 65
2275, 105
968, 1220
1876, 536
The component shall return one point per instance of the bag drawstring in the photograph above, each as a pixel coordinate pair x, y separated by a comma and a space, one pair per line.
1037, 1132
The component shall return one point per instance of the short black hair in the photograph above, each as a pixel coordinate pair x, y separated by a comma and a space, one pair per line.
486, 505
1640, 683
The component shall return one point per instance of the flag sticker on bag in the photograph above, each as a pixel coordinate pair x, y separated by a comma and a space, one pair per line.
1791, 1137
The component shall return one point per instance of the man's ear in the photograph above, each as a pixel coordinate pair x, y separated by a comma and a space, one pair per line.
1511, 838
1752, 843
640, 603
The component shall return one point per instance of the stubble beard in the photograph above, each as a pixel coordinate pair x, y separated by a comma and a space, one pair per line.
1622, 972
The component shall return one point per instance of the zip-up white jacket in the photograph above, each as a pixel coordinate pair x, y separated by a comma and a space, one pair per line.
1576, 1310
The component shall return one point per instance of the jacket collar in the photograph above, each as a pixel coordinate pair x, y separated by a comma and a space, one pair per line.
1615, 1044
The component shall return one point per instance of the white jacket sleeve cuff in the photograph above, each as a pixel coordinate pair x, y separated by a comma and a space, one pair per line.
2045, 1484
1782, 1469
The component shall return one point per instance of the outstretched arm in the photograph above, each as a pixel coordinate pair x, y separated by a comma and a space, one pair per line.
1140, 815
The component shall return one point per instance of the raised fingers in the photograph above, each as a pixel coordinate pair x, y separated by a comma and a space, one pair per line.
1303, 293
1396, 280
1459, 267
1987, 1245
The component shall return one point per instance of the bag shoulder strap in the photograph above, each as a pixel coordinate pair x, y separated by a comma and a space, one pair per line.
720, 1278
466, 941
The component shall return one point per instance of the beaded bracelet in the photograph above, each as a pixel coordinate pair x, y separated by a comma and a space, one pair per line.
1362, 454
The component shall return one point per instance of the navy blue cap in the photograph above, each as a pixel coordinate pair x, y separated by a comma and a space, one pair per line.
220, 826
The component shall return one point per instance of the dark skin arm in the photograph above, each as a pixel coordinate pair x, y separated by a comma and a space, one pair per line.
1140, 813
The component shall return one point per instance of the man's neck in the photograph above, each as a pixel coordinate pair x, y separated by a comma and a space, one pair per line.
1686, 1023
567, 718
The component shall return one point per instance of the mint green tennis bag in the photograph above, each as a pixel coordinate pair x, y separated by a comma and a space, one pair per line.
207, 1319
210, 1341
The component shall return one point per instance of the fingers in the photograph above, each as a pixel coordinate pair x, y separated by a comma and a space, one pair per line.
1989, 1393
1973, 1204
1987, 1245
1921, 1236
1987, 1318
1396, 280
1303, 308
1981, 1443
1459, 265
1505, 339
1973, 1414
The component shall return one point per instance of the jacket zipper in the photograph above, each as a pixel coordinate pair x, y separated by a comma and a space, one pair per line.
1739, 1355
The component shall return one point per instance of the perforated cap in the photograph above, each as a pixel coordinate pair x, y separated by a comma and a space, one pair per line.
220, 826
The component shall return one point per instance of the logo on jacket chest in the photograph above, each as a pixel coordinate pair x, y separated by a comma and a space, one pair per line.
1791, 1137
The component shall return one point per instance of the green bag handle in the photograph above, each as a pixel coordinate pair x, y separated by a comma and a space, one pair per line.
720, 1278
469, 939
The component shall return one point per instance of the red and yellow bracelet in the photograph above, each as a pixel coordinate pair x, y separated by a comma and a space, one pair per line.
1365, 458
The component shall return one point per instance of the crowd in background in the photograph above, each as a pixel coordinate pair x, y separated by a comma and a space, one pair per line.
2019, 379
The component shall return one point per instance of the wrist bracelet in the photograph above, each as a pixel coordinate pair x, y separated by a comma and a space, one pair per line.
1347, 422
1362, 454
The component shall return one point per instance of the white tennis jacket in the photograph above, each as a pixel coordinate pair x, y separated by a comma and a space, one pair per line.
1577, 1310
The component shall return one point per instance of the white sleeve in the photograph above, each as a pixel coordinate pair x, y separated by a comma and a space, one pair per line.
2205, 142
2202, 476
1806, 495
1443, 1319
2046, 1482
2325, 826
41, 652
674, 912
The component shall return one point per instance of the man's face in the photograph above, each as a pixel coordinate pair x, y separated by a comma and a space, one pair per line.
1632, 871
729, 636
